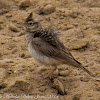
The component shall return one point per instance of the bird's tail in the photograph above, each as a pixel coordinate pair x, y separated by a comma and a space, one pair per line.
90, 73
83, 68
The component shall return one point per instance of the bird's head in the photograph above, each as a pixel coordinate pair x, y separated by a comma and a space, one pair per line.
32, 24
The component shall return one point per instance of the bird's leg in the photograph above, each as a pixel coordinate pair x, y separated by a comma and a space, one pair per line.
50, 73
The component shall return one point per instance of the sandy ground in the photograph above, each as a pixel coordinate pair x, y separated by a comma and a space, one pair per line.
78, 22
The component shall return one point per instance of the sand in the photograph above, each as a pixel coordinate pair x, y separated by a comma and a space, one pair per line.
78, 22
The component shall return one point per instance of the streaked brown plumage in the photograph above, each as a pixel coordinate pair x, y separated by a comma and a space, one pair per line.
45, 46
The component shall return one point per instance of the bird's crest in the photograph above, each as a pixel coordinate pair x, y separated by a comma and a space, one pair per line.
29, 18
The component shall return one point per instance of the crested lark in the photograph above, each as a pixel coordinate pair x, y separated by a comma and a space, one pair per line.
45, 46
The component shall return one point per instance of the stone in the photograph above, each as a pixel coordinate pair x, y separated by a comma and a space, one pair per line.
56, 72
98, 88
76, 44
84, 79
76, 97
24, 4
64, 73
57, 84
13, 28
47, 9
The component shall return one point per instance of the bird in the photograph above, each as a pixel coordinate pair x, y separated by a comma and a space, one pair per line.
45, 46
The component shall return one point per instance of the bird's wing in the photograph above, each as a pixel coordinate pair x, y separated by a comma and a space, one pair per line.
44, 47
51, 51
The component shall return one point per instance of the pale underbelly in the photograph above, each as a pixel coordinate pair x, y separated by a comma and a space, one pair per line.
42, 58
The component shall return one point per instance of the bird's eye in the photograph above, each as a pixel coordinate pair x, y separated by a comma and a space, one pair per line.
31, 23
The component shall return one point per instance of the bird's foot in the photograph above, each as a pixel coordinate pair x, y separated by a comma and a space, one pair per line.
49, 75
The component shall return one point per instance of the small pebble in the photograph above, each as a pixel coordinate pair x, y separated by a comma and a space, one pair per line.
62, 67
55, 73
13, 28
74, 14
59, 86
47, 9
22, 55
24, 4
98, 87
8, 15
64, 73
76, 97
69, 27
21, 33
3, 85
84, 79
97, 79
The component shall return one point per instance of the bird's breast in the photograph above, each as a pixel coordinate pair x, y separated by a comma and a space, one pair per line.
42, 58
